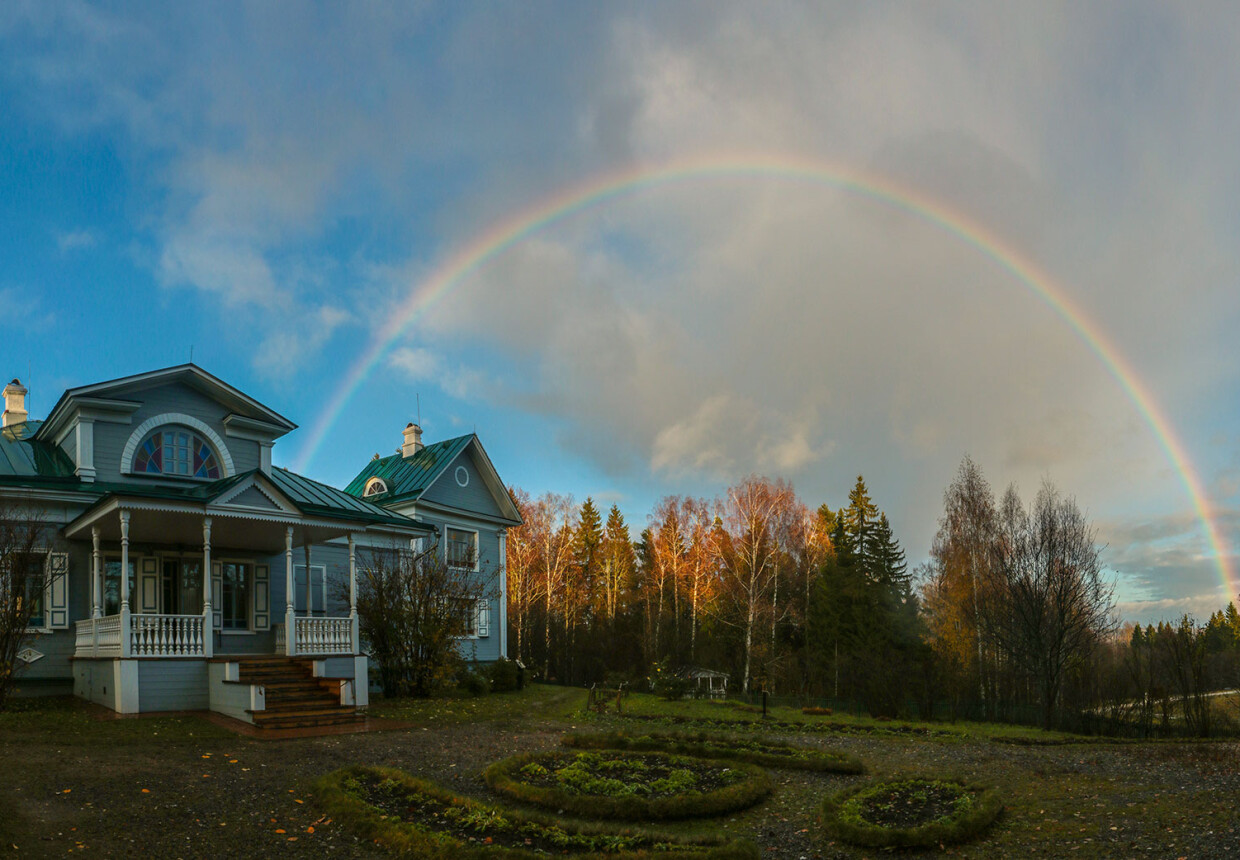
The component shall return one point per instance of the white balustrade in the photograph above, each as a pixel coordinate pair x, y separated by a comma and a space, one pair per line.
324, 636
166, 636
98, 637
278, 629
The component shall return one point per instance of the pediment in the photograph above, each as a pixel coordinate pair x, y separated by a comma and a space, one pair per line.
255, 493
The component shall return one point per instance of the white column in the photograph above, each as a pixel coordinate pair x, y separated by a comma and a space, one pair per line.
96, 570
501, 607
208, 618
125, 643
309, 593
290, 625
353, 595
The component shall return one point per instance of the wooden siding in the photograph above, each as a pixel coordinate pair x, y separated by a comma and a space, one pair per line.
172, 685
253, 498
474, 497
56, 647
110, 439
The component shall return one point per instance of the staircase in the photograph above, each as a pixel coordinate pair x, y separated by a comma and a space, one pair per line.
295, 698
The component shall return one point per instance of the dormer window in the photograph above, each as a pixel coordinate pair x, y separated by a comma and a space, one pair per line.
176, 451
375, 487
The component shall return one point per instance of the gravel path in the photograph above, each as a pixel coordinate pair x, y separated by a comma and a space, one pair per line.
201, 792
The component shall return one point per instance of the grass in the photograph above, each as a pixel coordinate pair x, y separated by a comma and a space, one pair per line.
850, 814
536, 703
754, 750
340, 795
743, 717
609, 798
73, 723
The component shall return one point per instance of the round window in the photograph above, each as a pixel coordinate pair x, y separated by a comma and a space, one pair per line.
462, 476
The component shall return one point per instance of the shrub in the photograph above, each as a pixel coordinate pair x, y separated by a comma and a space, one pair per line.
374, 803
755, 750
859, 815
503, 675
473, 682
597, 786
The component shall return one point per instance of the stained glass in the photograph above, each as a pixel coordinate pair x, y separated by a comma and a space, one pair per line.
169, 452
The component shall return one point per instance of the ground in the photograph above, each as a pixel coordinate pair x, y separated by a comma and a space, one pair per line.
180, 786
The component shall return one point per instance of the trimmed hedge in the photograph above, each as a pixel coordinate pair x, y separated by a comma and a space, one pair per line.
841, 815
504, 777
337, 794
754, 750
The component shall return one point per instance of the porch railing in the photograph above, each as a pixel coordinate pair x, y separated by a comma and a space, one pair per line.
98, 637
166, 636
324, 635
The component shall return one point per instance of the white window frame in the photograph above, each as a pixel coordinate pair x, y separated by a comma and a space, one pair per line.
447, 546
47, 598
376, 486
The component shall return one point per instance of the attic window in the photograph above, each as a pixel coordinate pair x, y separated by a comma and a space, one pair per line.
375, 487
176, 451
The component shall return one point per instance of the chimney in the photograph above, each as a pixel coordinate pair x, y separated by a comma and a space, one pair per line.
15, 403
413, 439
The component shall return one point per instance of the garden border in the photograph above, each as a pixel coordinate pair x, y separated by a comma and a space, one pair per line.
740, 795
715, 746
961, 829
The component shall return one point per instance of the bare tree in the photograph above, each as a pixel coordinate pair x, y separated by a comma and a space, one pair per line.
1053, 606
26, 573
414, 610
521, 552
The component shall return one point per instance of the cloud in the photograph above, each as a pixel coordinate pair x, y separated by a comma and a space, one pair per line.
284, 351
74, 240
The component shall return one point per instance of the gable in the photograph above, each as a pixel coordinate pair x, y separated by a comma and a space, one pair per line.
252, 497
461, 486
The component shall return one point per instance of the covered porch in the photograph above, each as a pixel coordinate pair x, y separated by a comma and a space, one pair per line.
211, 584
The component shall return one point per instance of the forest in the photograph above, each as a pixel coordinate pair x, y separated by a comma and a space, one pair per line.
1011, 619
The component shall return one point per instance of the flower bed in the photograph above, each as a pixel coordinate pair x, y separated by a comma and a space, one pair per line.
629, 786
755, 750
417, 818
911, 813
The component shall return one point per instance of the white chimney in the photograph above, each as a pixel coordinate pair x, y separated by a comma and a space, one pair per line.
413, 439
15, 403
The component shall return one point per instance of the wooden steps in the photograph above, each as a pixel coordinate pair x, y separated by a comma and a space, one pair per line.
295, 698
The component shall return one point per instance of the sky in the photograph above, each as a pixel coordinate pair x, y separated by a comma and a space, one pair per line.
366, 214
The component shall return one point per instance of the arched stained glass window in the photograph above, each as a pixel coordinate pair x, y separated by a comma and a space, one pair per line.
176, 451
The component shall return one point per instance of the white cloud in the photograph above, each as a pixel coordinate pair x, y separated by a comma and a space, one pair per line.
73, 240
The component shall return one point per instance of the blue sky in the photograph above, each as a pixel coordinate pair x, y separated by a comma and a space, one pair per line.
265, 183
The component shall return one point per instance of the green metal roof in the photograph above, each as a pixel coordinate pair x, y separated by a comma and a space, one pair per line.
23, 457
312, 497
408, 477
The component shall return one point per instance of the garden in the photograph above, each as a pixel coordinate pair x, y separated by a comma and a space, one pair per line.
179, 785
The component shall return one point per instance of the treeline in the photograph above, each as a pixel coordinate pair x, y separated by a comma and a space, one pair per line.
1012, 619
784, 597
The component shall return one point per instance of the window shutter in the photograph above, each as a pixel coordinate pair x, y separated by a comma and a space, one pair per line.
262, 597
484, 617
217, 595
56, 590
148, 585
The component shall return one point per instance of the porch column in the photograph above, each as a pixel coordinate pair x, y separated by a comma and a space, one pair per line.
208, 618
357, 642
96, 573
309, 592
290, 620
125, 622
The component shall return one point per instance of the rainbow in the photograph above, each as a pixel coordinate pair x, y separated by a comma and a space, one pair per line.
633, 180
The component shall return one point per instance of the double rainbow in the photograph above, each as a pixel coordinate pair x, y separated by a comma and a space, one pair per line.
633, 180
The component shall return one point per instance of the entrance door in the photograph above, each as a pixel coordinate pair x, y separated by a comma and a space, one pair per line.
182, 586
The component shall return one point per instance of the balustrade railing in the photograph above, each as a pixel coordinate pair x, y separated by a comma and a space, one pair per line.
166, 636
324, 635
98, 637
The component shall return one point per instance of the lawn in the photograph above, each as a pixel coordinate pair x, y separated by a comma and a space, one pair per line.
181, 786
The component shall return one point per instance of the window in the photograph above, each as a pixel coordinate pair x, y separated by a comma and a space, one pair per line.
27, 573
375, 487
235, 595
182, 586
112, 585
176, 451
318, 589
462, 548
